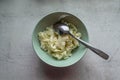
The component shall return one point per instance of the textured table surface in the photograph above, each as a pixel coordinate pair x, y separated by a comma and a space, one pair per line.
18, 60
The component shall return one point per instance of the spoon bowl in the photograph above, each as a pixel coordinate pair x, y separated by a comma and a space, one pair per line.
61, 28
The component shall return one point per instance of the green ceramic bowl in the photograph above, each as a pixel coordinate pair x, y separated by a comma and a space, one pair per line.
49, 20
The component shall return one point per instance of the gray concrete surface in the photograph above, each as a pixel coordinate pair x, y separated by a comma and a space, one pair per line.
18, 60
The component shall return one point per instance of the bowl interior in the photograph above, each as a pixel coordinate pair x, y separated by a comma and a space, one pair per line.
46, 22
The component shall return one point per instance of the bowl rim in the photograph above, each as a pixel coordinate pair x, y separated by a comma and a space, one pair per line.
53, 65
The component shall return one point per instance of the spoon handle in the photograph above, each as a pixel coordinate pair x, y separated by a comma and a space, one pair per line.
97, 51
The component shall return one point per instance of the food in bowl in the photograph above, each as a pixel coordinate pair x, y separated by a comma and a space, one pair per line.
59, 46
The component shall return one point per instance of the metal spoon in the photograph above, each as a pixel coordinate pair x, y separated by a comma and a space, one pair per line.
64, 29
